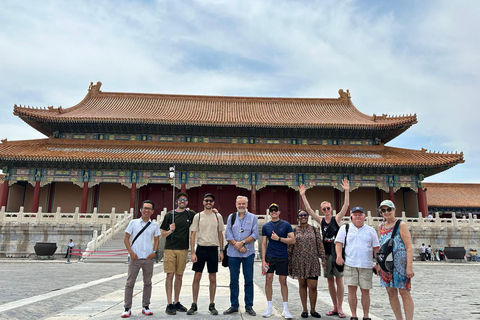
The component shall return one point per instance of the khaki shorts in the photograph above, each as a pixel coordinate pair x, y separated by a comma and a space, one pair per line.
175, 261
358, 277
330, 269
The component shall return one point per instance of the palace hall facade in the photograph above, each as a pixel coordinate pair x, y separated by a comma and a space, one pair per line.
115, 149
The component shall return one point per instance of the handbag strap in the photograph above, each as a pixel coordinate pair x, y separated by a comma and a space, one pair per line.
143, 229
397, 224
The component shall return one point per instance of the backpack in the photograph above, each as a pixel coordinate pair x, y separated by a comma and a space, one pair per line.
385, 254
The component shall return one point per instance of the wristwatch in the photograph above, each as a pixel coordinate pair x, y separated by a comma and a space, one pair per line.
243, 241
154, 251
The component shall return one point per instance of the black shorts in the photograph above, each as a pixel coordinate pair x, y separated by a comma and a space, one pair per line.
279, 265
208, 255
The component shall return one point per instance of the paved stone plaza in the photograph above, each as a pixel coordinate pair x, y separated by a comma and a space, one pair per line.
33, 289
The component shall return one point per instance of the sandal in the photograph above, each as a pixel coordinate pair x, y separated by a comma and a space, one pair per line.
342, 315
331, 313
353, 318
367, 318
315, 314
304, 314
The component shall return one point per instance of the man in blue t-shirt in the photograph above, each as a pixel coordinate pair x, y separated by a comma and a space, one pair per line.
278, 234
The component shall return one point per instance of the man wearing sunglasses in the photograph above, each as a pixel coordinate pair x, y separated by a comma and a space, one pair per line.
175, 228
142, 252
330, 226
279, 234
207, 231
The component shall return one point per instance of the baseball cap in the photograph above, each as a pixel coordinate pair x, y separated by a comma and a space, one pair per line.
355, 209
209, 195
182, 194
387, 203
274, 205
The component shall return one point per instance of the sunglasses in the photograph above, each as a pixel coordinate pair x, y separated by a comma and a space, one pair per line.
208, 200
303, 215
182, 199
326, 208
273, 210
385, 210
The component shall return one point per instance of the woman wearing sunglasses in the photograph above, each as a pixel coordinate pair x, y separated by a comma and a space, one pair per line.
330, 226
398, 280
303, 262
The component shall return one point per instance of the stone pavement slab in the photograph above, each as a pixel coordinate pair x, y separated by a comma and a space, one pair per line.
54, 290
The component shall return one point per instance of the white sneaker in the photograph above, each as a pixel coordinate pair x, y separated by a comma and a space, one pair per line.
126, 313
268, 312
286, 314
146, 311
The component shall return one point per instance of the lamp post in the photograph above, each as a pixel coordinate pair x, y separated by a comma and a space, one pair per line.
171, 174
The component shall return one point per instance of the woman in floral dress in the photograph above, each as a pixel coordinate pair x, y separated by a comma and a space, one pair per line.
303, 261
398, 281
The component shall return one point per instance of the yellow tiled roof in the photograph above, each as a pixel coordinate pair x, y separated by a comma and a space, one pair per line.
453, 195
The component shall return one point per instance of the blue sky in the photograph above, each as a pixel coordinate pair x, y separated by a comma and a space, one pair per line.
395, 57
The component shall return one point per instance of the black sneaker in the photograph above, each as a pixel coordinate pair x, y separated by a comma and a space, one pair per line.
250, 311
192, 309
180, 307
171, 309
230, 310
212, 309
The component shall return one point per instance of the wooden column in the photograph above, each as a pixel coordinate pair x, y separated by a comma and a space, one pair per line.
253, 200
95, 196
51, 193
36, 197
422, 202
183, 187
336, 199
83, 207
4, 195
133, 196
391, 194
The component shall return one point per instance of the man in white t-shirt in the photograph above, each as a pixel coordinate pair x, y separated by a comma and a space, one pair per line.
142, 251
361, 245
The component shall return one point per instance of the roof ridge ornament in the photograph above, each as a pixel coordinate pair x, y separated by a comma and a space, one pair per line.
94, 88
344, 95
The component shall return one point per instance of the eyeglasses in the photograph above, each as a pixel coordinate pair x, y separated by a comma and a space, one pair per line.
326, 208
182, 199
208, 200
273, 210
385, 210
144, 208
303, 215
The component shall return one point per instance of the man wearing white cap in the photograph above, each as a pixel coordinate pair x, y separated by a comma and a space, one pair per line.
361, 244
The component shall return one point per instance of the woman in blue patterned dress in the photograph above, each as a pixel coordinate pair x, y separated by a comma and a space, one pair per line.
398, 280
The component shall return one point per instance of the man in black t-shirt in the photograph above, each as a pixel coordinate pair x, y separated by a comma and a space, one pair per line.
176, 229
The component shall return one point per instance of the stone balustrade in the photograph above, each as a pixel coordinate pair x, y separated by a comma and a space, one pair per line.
95, 217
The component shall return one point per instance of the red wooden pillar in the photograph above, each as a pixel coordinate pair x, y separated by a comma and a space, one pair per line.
422, 202
183, 187
95, 196
36, 197
253, 200
133, 195
83, 207
4, 196
391, 194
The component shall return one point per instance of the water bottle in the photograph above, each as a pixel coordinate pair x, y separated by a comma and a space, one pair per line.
264, 271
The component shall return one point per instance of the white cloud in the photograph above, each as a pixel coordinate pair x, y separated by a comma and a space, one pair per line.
395, 58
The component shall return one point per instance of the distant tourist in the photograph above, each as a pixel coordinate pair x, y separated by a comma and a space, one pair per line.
276, 235
423, 251
428, 253
142, 251
329, 228
474, 255
207, 231
398, 280
69, 248
361, 245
